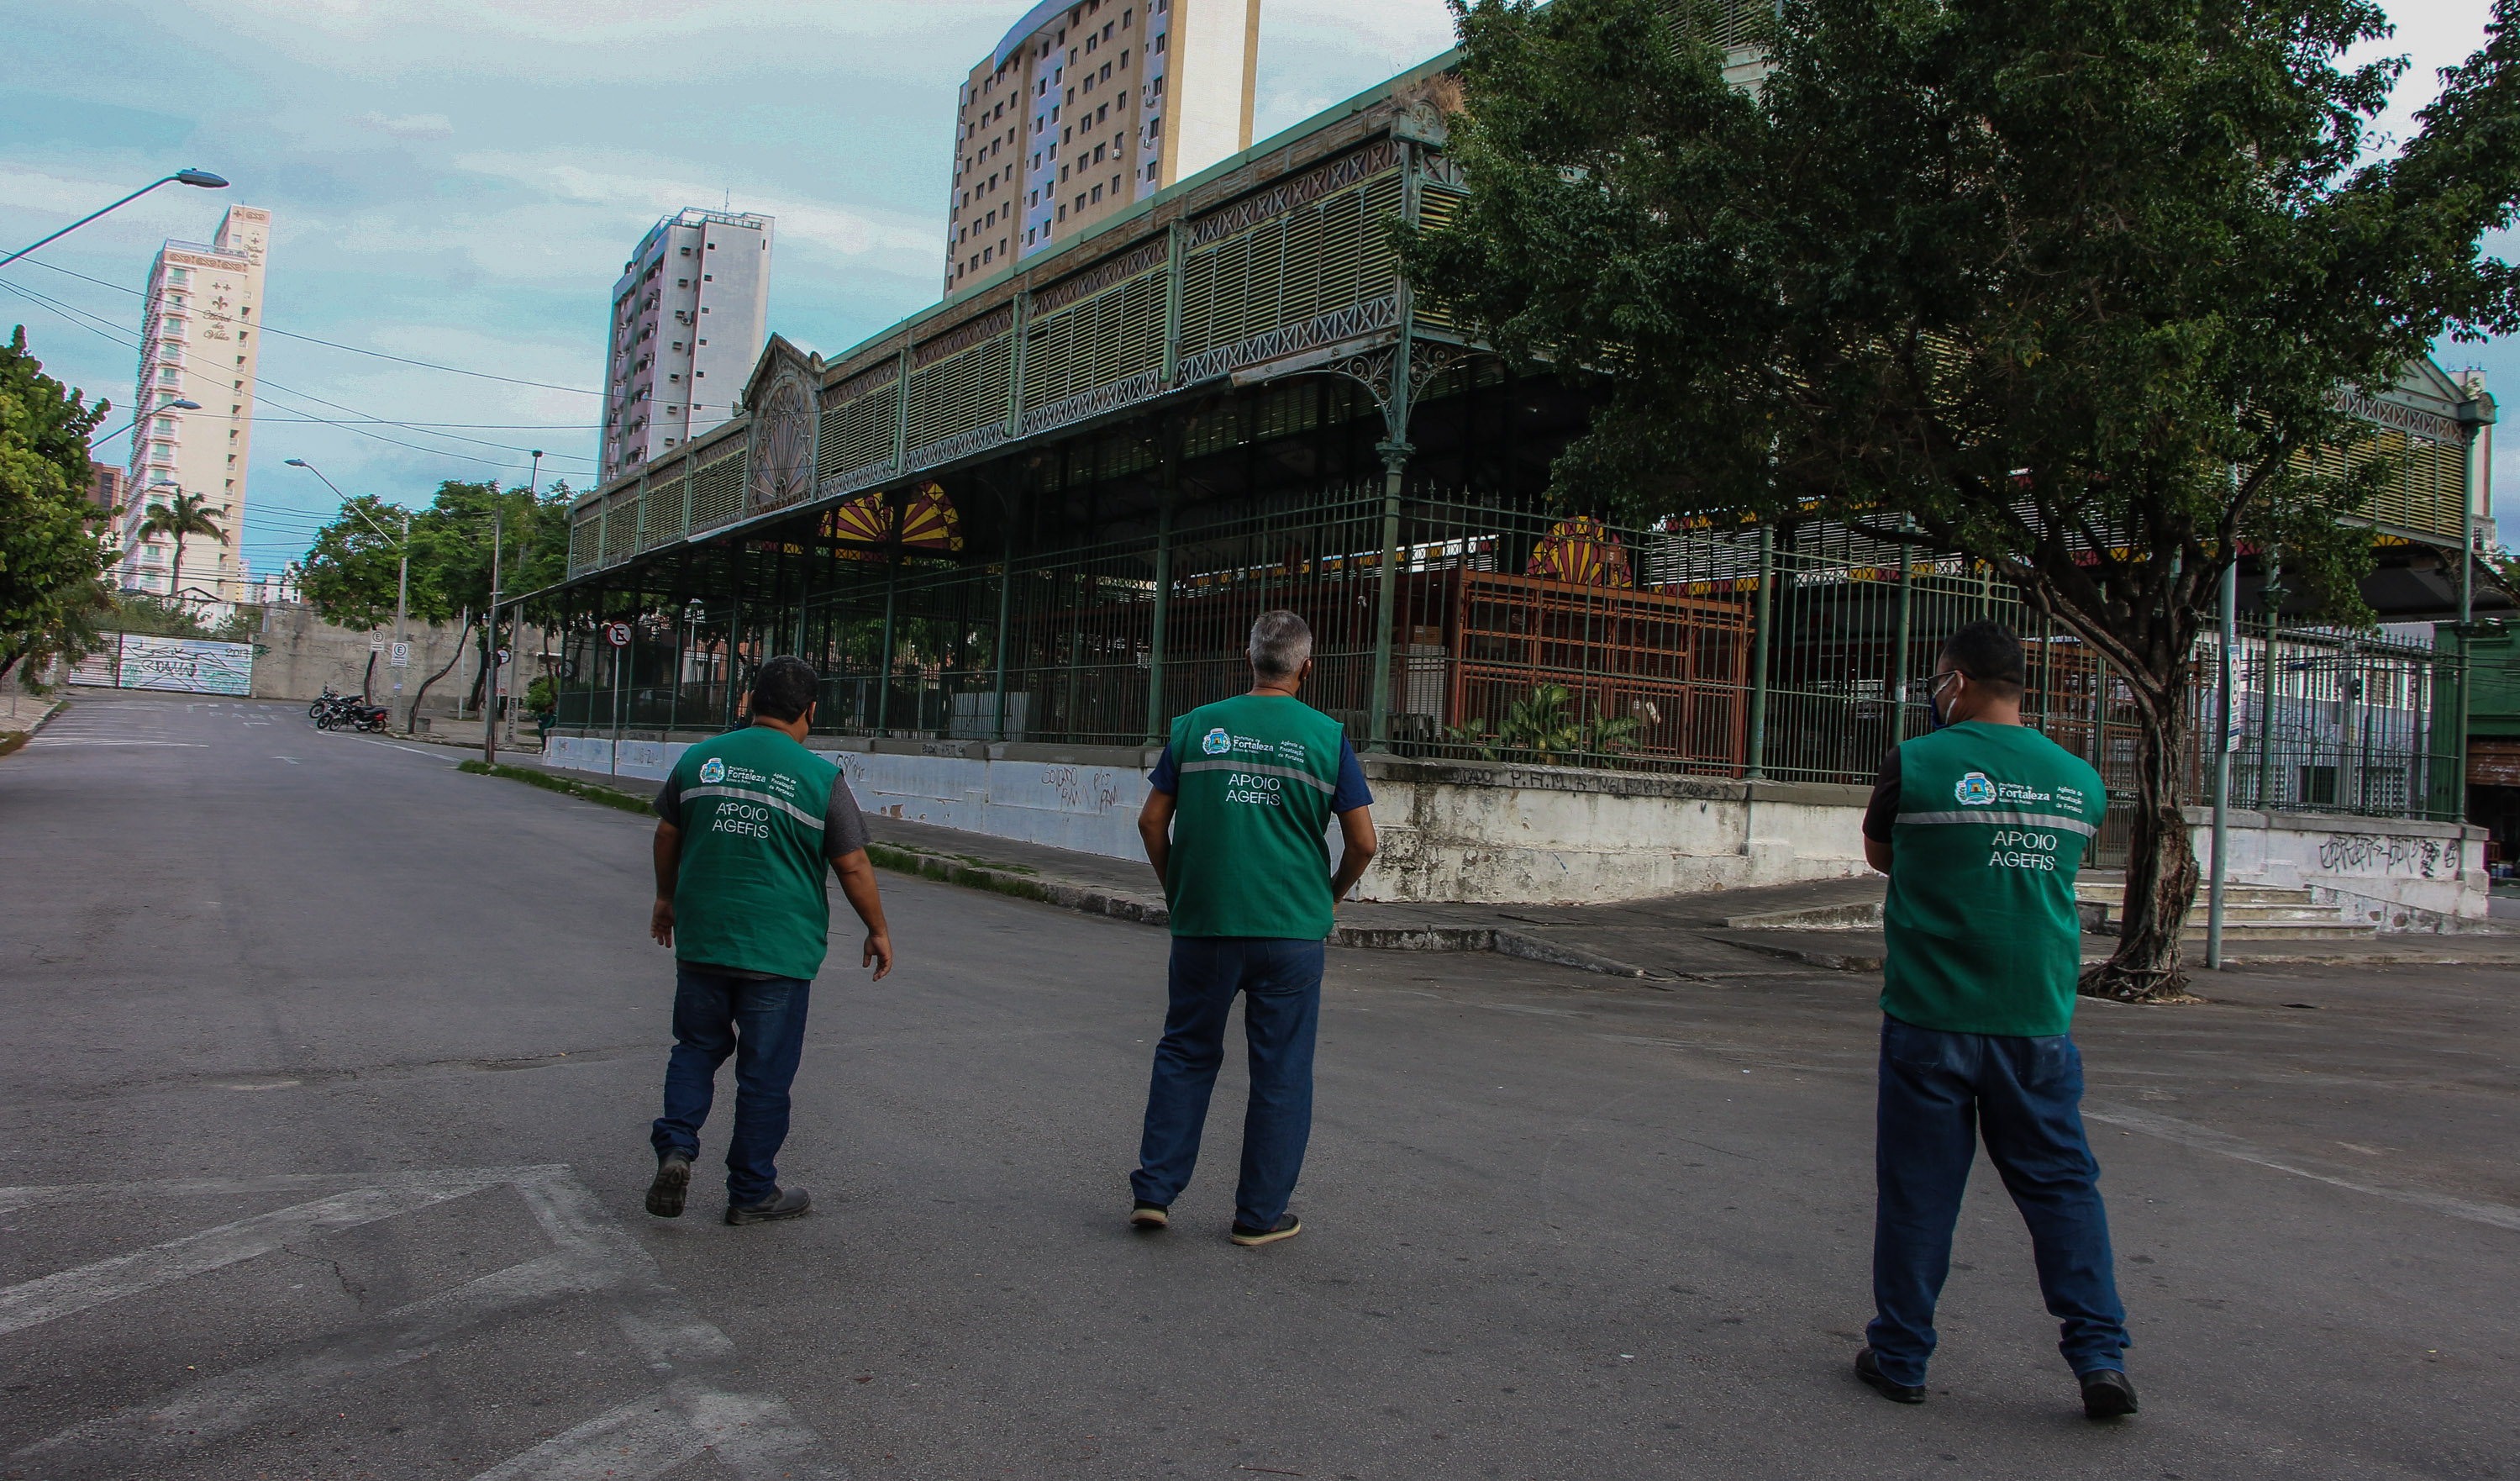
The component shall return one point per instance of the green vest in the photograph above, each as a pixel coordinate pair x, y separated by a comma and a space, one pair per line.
1983, 933
750, 893
1249, 853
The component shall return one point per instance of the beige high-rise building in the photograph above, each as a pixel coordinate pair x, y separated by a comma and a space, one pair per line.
200, 339
1087, 108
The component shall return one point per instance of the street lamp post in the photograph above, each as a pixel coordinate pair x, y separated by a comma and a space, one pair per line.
176, 406
201, 178
402, 582
490, 709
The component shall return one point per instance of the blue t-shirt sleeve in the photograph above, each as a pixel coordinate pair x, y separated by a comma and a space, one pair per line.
1352, 792
1166, 777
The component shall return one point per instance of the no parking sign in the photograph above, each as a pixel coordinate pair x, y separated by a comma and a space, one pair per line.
618, 634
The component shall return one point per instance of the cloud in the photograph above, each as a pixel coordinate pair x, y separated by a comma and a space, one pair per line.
410, 125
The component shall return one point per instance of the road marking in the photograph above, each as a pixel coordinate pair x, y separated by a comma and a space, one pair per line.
390, 746
72, 741
292, 760
2501, 1215
67, 1292
695, 1411
749, 1434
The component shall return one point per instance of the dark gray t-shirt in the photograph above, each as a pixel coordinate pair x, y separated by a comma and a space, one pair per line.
844, 832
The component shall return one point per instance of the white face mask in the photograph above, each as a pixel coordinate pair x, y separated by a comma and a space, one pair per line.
1934, 696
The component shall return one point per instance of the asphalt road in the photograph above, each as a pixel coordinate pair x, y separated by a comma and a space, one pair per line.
324, 1112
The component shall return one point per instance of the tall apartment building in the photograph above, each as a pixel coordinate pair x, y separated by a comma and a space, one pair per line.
198, 342
693, 304
1086, 107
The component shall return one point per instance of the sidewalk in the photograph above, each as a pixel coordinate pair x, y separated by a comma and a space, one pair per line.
1712, 937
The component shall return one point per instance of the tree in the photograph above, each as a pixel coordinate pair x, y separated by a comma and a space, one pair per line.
2067, 287
178, 514
49, 555
351, 571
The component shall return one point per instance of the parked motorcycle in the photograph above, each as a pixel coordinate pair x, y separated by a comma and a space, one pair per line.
351, 712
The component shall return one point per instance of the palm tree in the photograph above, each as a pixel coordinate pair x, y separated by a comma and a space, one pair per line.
179, 515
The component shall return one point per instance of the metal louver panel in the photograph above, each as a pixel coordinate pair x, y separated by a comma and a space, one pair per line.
717, 492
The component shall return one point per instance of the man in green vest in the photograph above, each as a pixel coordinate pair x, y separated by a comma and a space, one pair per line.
745, 825
1236, 824
1981, 825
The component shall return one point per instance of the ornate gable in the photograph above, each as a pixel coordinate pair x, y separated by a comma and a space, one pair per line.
779, 400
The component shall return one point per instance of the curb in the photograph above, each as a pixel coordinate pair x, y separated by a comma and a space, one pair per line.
17, 739
1116, 904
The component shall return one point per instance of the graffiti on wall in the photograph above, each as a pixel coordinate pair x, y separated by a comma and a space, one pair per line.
2381, 853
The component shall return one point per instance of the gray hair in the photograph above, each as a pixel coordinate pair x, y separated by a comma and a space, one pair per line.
1281, 643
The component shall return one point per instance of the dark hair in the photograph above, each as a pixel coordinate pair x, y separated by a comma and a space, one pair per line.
1990, 655
784, 688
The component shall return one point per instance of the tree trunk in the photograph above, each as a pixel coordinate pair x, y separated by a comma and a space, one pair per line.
442, 673
175, 579
2161, 865
368, 679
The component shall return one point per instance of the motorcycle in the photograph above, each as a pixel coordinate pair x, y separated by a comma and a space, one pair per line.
322, 702
355, 713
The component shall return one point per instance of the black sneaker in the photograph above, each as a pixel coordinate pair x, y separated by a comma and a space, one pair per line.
1149, 1216
1868, 1368
783, 1205
1287, 1227
2107, 1395
673, 1180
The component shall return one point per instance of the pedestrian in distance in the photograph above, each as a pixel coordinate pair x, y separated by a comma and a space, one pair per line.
1236, 823
745, 824
1981, 825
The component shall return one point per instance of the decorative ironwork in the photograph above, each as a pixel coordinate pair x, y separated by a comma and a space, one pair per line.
865, 383
1310, 186
856, 479
960, 445
925, 521
1353, 322
1110, 396
1582, 553
1146, 257
963, 337
783, 450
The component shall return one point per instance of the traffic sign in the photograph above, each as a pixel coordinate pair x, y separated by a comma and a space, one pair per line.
618, 634
401, 658
503, 655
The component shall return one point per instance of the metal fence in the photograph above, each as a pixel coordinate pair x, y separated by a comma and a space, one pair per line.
1517, 634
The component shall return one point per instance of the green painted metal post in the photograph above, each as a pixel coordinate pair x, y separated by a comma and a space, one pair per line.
1168, 447
1761, 609
884, 660
2270, 598
1899, 665
1386, 593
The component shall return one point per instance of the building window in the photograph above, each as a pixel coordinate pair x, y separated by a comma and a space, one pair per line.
708, 277
682, 282
1098, 192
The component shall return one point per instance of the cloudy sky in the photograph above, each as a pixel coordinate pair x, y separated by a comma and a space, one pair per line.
457, 181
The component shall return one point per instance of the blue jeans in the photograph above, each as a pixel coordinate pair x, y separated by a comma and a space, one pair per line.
1940, 1092
762, 1023
1280, 983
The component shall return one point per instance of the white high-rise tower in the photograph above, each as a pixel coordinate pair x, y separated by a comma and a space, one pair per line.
200, 339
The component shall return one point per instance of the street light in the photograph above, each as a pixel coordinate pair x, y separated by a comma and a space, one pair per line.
201, 178
490, 690
178, 406
402, 584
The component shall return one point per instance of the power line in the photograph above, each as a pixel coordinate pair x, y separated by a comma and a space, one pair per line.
331, 344
120, 336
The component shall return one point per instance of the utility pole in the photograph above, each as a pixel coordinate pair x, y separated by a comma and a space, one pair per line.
491, 685
402, 606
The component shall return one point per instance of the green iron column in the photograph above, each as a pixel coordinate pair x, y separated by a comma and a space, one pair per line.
1168, 448
1006, 595
891, 591
1761, 609
1386, 593
1899, 642
1395, 451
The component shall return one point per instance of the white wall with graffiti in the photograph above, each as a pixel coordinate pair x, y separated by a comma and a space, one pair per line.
2396, 873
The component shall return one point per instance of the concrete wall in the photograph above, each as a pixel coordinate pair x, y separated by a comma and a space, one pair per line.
1485, 832
2397, 873
303, 653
